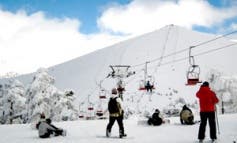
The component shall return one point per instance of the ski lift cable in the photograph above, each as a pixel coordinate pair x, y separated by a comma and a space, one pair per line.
134, 77
214, 39
202, 53
186, 49
164, 47
175, 45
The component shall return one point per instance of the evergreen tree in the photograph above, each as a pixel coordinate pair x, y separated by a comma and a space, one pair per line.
44, 97
12, 102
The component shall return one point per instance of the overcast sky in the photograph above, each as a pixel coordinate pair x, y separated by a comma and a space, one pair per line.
42, 33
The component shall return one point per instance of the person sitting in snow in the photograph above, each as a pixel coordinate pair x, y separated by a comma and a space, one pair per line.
155, 120
46, 129
186, 116
42, 118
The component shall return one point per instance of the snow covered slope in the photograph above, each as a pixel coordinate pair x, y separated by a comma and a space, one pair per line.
84, 73
93, 131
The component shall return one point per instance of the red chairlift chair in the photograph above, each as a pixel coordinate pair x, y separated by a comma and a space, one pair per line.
193, 75
99, 113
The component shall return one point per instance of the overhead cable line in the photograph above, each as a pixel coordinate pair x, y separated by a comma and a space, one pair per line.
215, 39
183, 50
199, 54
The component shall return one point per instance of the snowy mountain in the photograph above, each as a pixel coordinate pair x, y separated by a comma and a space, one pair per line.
166, 53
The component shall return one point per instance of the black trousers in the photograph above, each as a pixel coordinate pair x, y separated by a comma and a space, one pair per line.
210, 116
119, 121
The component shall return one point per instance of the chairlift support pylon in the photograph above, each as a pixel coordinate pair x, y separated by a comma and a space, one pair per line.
193, 70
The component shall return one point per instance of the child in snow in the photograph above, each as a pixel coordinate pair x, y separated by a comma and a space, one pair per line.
42, 118
46, 129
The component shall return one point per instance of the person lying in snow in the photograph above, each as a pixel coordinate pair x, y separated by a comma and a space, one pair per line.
46, 129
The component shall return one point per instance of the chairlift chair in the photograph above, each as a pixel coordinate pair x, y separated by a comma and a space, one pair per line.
142, 84
81, 115
193, 70
90, 108
99, 113
90, 113
193, 75
102, 94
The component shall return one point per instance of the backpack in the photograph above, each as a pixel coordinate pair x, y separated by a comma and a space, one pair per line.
113, 105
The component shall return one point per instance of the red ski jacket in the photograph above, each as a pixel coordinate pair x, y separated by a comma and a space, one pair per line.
207, 99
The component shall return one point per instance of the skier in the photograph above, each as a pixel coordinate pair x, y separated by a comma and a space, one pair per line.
207, 101
186, 116
46, 129
148, 87
115, 113
155, 120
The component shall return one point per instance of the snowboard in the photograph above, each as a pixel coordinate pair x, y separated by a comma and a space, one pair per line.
145, 122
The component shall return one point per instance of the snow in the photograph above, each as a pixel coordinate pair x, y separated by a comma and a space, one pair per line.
94, 131
86, 77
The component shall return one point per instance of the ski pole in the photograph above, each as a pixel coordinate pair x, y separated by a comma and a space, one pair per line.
217, 123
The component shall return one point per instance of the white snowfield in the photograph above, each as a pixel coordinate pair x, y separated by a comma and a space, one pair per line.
93, 131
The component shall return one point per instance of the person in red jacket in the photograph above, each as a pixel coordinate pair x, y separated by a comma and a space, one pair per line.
207, 101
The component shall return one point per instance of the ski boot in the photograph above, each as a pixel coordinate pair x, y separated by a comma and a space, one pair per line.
122, 134
64, 133
201, 141
214, 141
108, 133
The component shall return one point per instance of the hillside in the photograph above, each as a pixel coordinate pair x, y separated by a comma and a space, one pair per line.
84, 74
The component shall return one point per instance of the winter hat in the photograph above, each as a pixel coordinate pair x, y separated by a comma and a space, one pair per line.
205, 83
48, 121
157, 111
114, 91
42, 116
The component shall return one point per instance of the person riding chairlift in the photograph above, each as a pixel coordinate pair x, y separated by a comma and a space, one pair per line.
148, 86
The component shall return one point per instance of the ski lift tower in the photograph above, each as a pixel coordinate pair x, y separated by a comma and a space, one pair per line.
120, 72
